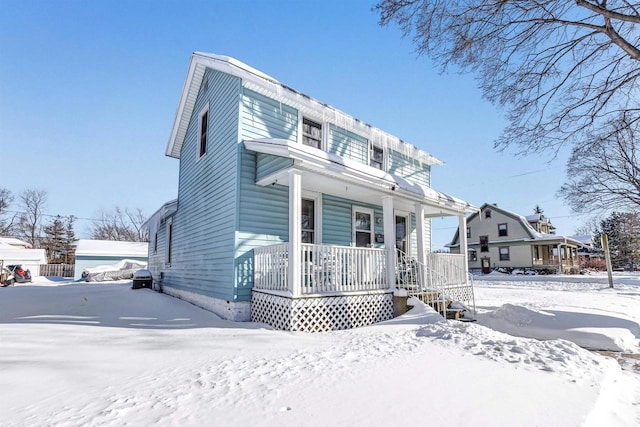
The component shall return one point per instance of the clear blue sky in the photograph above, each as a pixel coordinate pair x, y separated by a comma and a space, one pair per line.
89, 91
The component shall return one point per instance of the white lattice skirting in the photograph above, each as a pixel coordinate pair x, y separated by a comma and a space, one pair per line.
320, 314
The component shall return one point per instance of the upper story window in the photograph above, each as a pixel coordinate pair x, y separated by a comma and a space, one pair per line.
376, 157
502, 229
468, 232
484, 243
204, 131
311, 133
487, 213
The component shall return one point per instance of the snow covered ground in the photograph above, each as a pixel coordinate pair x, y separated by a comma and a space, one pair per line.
103, 354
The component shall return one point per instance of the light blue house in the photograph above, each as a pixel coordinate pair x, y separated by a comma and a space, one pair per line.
291, 212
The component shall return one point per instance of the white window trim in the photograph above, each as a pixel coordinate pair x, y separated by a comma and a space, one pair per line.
317, 212
202, 112
369, 211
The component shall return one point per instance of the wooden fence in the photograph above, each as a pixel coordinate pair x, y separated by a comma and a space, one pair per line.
61, 270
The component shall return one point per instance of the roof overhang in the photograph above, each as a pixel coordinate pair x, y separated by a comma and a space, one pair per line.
331, 174
168, 209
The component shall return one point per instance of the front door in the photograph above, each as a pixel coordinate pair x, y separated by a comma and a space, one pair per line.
401, 234
486, 265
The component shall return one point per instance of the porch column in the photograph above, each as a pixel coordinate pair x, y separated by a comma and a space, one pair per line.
295, 232
422, 256
419, 211
389, 240
464, 250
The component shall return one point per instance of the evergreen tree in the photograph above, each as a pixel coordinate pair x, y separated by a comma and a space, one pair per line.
623, 232
54, 240
69, 246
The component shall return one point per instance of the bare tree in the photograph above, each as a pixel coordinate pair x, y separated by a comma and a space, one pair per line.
604, 174
121, 225
33, 204
563, 68
6, 224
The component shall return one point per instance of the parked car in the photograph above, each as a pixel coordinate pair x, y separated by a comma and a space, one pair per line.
20, 275
118, 271
142, 279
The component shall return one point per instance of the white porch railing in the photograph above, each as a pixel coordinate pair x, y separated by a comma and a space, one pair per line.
325, 269
443, 278
328, 269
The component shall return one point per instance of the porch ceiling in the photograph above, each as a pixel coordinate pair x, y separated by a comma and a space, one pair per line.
327, 173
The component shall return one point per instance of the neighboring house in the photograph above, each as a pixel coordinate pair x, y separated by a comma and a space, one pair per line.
31, 259
589, 255
92, 253
289, 211
498, 238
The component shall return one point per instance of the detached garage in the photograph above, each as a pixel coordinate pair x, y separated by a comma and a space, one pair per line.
30, 259
93, 253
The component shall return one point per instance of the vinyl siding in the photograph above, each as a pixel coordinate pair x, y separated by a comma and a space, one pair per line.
157, 257
409, 168
263, 214
337, 220
267, 164
203, 226
263, 117
489, 227
347, 144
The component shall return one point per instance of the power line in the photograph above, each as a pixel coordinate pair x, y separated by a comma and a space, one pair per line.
61, 216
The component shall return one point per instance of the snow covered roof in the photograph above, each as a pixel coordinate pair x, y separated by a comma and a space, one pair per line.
260, 82
111, 248
13, 255
331, 166
12, 241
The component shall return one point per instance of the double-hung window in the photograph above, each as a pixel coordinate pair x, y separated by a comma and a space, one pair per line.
311, 133
484, 243
376, 157
502, 230
504, 253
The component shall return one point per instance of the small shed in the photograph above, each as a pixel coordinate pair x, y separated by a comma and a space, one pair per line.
30, 259
92, 253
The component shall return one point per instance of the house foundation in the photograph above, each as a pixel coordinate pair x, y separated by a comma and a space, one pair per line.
234, 311
321, 313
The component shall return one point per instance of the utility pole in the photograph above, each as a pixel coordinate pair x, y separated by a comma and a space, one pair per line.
607, 257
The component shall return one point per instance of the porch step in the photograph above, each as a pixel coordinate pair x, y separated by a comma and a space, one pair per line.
455, 313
